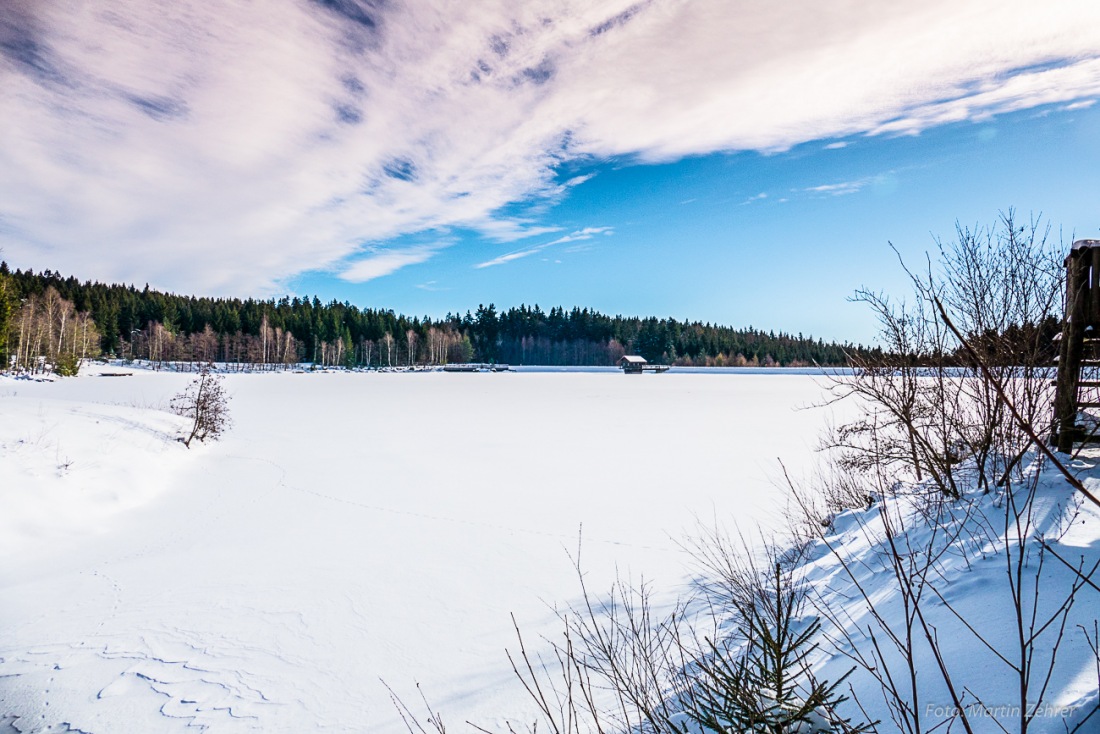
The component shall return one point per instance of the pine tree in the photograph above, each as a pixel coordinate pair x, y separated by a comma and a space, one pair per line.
769, 687
7, 309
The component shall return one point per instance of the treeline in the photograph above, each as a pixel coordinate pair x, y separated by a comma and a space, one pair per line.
133, 323
45, 332
528, 335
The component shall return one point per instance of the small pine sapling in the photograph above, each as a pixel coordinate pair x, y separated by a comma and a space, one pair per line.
67, 365
769, 688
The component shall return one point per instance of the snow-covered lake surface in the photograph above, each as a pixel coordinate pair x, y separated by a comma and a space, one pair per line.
350, 528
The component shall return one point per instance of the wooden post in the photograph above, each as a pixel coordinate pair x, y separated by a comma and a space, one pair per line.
1065, 398
1073, 336
1094, 288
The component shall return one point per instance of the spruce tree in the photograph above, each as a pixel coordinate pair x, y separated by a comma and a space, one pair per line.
769, 686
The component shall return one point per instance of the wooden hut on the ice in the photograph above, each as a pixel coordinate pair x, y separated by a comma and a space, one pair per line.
635, 365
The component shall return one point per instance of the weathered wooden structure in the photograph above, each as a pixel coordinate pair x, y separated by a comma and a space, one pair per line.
634, 365
1079, 355
475, 367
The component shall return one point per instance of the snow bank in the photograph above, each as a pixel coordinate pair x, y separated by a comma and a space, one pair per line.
967, 603
69, 467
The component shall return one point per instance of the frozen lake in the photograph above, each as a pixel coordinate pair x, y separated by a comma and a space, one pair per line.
351, 527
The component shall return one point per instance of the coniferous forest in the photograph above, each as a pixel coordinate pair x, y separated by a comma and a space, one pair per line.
64, 320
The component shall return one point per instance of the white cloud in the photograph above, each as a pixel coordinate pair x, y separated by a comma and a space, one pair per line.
1048, 86
882, 182
384, 263
839, 189
581, 234
509, 257
224, 147
510, 230
1082, 105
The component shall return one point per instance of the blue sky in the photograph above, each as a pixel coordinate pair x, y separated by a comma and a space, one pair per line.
739, 163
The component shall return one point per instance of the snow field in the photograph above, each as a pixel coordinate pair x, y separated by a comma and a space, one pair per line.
349, 527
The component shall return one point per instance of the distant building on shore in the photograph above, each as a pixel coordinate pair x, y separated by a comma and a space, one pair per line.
635, 365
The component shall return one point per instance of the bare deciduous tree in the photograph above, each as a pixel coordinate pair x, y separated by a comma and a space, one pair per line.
929, 405
388, 342
206, 405
49, 333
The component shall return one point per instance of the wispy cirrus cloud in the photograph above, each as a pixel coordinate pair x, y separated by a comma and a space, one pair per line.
579, 235
226, 147
509, 257
1082, 105
840, 188
583, 234
886, 180
383, 263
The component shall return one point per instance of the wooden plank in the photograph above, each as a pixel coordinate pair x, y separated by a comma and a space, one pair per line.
1072, 347
1093, 299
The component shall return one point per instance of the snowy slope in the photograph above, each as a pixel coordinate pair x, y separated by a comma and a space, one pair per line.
968, 604
70, 466
350, 527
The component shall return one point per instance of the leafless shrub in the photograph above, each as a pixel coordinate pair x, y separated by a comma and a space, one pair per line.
833, 488
204, 402
929, 407
737, 657
957, 399
623, 662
